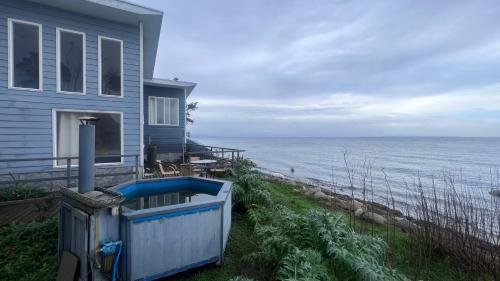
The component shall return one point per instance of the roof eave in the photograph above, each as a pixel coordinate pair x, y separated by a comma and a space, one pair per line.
122, 12
167, 83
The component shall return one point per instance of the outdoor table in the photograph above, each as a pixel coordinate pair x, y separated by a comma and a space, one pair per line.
204, 164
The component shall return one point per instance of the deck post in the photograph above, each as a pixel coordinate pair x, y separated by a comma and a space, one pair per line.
68, 172
232, 159
184, 151
137, 167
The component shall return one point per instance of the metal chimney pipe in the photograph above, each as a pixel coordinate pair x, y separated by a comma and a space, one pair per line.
86, 154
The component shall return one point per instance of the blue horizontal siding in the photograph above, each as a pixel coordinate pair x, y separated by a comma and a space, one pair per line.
26, 116
170, 139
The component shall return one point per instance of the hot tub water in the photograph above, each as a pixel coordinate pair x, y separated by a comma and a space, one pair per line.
156, 199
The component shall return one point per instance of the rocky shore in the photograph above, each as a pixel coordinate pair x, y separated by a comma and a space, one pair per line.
368, 211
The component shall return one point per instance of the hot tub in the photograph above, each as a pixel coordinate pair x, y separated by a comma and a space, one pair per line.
172, 225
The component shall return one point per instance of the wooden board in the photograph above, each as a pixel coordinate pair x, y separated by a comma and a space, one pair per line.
68, 267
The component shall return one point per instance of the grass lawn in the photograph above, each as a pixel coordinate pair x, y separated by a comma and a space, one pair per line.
28, 251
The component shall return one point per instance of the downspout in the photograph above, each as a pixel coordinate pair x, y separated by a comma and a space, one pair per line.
184, 146
141, 94
185, 114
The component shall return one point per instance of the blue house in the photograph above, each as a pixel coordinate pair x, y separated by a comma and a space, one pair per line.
61, 60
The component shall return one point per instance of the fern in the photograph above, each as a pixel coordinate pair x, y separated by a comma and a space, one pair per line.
242, 167
355, 256
251, 189
295, 246
274, 245
258, 215
303, 265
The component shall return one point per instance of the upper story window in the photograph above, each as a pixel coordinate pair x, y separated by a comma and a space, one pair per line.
110, 67
163, 111
70, 61
25, 55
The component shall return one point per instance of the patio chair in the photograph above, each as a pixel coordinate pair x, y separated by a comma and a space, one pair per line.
167, 170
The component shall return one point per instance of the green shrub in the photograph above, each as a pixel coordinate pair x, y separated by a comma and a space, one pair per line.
249, 187
20, 192
243, 167
286, 237
28, 251
313, 246
304, 265
355, 256
240, 278
251, 190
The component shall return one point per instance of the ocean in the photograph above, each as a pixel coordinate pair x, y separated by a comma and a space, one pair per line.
391, 166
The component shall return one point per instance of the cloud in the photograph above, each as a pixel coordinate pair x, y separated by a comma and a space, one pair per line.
478, 100
322, 67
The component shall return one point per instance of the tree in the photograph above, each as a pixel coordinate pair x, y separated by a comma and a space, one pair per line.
192, 106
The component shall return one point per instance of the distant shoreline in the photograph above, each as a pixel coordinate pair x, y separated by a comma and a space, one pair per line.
347, 137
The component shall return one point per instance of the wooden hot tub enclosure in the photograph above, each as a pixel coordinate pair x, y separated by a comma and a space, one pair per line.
187, 229
165, 240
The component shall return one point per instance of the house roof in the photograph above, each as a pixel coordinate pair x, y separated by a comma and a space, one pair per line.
167, 83
123, 12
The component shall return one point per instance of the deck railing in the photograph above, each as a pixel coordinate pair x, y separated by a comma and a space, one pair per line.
214, 152
69, 167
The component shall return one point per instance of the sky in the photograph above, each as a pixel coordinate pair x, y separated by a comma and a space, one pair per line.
326, 68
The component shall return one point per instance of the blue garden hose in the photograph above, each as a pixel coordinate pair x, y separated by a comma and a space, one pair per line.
115, 267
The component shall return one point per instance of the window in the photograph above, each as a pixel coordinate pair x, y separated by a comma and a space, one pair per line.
110, 67
108, 135
163, 111
70, 61
25, 55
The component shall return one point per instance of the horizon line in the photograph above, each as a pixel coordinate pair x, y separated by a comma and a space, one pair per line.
346, 137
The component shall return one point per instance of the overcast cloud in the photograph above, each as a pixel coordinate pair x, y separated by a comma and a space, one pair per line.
335, 68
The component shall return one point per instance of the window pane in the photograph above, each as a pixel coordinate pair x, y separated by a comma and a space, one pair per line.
174, 111
152, 111
167, 111
111, 67
160, 111
108, 135
67, 135
71, 62
25, 56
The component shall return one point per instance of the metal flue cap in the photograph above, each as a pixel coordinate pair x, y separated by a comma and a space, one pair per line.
88, 120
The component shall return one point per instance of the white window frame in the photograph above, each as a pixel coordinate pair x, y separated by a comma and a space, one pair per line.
11, 22
54, 134
99, 38
58, 60
152, 121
